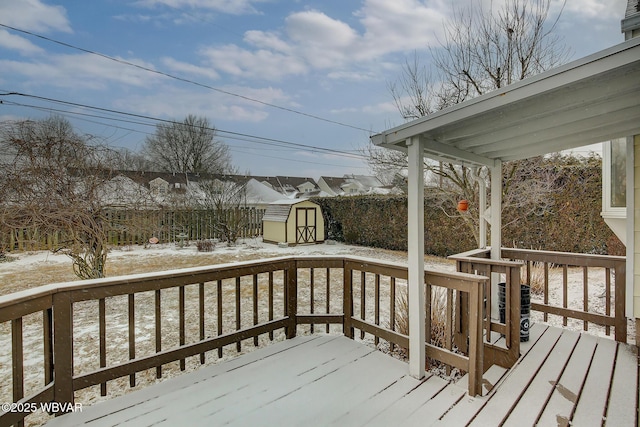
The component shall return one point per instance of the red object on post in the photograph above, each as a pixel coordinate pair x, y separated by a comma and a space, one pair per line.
463, 205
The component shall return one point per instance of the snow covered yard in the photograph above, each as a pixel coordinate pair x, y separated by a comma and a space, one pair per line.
30, 270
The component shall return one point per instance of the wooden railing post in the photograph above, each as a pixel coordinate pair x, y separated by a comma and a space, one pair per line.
347, 327
291, 277
63, 348
620, 297
476, 346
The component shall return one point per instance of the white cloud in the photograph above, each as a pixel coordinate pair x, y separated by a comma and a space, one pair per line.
235, 7
80, 71
20, 44
34, 15
262, 63
265, 40
356, 76
170, 102
313, 40
185, 67
594, 9
401, 25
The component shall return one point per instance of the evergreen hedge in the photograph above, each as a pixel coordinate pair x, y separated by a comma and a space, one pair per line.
573, 224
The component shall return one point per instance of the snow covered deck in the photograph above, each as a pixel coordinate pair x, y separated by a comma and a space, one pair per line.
563, 377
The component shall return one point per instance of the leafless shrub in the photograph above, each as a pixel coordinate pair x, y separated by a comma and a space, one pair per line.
205, 245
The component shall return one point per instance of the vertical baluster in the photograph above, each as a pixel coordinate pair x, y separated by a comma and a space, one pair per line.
427, 316
377, 305
238, 319
392, 308
158, 306
449, 323
63, 347
132, 336
565, 293
271, 302
17, 361
585, 295
181, 323
546, 289
102, 326
607, 296
201, 309
311, 296
347, 302
363, 299
255, 306
328, 293
219, 300
47, 328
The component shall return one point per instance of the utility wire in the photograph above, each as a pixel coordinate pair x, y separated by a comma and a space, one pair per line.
230, 134
232, 148
183, 79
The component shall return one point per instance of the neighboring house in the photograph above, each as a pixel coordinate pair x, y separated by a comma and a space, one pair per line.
122, 191
156, 189
354, 185
291, 187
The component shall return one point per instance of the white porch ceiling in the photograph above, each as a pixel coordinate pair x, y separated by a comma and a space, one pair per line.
594, 99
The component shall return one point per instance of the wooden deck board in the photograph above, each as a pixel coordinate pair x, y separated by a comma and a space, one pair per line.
332, 380
433, 409
400, 411
593, 398
559, 409
361, 414
539, 390
621, 397
508, 393
348, 387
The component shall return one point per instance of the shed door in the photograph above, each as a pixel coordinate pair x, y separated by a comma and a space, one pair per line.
305, 225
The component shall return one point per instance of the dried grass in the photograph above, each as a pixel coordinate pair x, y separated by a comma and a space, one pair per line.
438, 315
536, 283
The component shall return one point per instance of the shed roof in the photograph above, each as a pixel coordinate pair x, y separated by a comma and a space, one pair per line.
279, 210
587, 101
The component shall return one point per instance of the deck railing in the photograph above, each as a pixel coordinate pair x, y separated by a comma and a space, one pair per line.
505, 352
93, 333
548, 271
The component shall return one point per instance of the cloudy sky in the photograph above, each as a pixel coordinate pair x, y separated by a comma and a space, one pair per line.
312, 73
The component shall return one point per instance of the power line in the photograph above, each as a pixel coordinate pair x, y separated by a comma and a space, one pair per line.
183, 79
233, 149
229, 134
232, 135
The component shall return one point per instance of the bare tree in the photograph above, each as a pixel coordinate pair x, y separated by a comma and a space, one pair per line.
51, 183
187, 146
227, 201
482, 50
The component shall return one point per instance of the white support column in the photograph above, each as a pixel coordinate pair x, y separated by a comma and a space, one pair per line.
416, 258
496, 231
496, 209
482, 207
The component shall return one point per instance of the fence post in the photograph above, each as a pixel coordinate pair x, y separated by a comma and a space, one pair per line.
347, 299
620, 297
63, 348
291, 278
